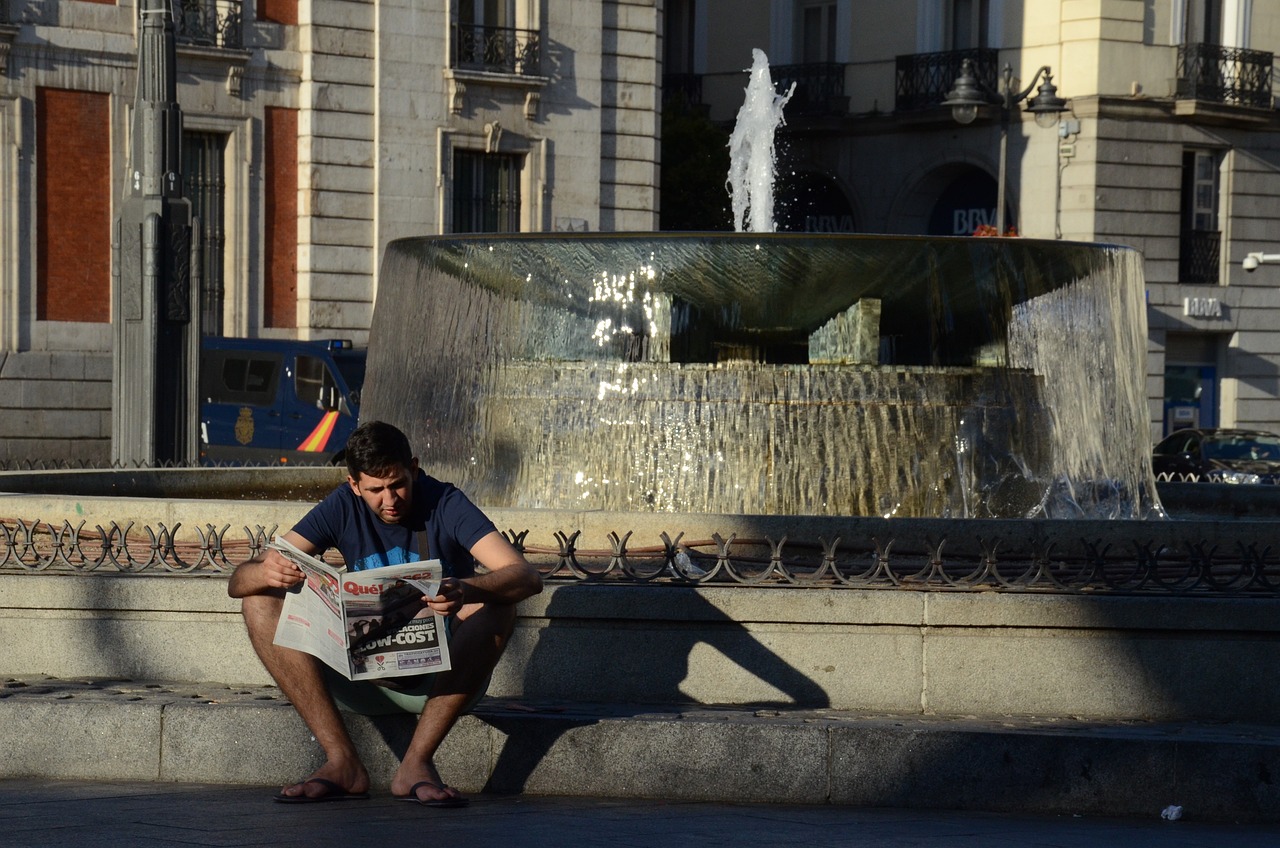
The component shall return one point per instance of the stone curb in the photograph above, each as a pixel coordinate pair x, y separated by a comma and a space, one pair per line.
129, 730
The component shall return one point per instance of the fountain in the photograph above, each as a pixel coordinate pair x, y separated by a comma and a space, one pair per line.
769, 373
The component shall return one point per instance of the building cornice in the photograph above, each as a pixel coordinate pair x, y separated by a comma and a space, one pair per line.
1168, 108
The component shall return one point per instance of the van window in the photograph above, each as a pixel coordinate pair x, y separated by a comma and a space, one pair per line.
244, 378
315, 384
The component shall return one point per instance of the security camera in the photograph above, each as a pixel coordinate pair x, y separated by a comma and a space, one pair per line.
1251, 261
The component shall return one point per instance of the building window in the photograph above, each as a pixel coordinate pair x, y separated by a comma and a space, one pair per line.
1203, 22
486, 192
817, 28
488, 37
1198, 259
209, 23
969, 24
204, 183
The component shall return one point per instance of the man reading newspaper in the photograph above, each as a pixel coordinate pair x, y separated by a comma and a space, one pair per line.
376, 519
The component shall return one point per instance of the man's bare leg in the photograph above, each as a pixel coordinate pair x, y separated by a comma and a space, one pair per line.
476, 641
300, 679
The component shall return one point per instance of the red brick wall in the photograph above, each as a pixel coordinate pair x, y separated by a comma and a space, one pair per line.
73, 205
278, 11
280, 167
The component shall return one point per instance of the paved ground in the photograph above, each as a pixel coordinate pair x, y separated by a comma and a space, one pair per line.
149, 815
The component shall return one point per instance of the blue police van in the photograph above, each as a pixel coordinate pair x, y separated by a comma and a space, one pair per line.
276, 401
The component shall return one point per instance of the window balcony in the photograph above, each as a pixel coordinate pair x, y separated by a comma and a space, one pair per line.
1198, 257
1227, 75
925, 78
500, 50
819, 87
208, 23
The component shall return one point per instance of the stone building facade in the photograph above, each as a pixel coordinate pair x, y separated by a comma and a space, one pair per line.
315, 132
1169, 145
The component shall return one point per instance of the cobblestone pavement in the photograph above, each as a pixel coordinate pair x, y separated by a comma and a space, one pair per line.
152, 815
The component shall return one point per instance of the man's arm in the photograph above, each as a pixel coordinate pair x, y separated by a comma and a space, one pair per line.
509, 578
270, 571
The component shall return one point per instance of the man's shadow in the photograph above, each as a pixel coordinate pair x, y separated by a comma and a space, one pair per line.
645, 666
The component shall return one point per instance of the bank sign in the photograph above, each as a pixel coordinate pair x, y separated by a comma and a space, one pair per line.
968, 203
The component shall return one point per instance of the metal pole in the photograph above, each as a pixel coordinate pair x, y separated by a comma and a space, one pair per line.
1004, 152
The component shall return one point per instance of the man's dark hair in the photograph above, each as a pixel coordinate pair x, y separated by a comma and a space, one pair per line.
374, 447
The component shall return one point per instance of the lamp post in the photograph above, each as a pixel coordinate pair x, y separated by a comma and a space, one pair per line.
970, 94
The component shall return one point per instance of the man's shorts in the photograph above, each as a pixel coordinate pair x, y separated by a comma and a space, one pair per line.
409, 695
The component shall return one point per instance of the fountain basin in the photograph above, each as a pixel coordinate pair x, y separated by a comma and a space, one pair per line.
770, 373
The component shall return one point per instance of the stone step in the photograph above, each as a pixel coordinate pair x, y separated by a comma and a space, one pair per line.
193, 733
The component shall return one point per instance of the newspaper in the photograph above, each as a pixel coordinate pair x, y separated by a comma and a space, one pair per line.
365, 624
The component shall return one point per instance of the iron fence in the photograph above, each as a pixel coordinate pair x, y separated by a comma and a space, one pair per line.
685, 89
1228, 75
1087, 557
924, 79
819, 85
503, 50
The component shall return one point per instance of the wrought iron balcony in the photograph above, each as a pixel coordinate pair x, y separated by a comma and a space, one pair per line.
682, 88
1228, 75
502, 50
817, 85
208, 23
1198, 257
925, 78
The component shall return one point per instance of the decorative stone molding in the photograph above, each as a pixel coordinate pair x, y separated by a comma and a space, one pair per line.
458, 80
216, 62
457, 95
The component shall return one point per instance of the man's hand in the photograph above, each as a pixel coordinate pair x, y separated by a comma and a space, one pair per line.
279, 571
450, 598
270, 572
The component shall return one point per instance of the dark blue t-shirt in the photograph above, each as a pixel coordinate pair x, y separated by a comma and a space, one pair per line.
453, 524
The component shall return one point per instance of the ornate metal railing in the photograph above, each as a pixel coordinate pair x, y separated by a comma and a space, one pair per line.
682, 88
1123, 557
208, 23
818, 84
1229, 75
925, 78
502, 50
1198, 257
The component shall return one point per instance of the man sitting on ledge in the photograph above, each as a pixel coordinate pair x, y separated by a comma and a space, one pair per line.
376, 519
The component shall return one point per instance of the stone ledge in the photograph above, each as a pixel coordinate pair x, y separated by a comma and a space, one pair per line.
117, 730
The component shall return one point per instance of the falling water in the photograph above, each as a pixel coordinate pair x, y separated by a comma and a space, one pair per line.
751, 150
777, 374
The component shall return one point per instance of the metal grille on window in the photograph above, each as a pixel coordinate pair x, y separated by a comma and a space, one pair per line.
486, 192
204, 183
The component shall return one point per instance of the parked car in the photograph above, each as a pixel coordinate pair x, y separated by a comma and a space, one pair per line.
1218, 456
278, 401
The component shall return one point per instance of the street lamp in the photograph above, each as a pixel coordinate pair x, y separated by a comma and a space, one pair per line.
970, 94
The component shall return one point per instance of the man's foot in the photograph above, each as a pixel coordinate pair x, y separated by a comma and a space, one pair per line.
428, 793
422, 783
331, 782
314, 790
